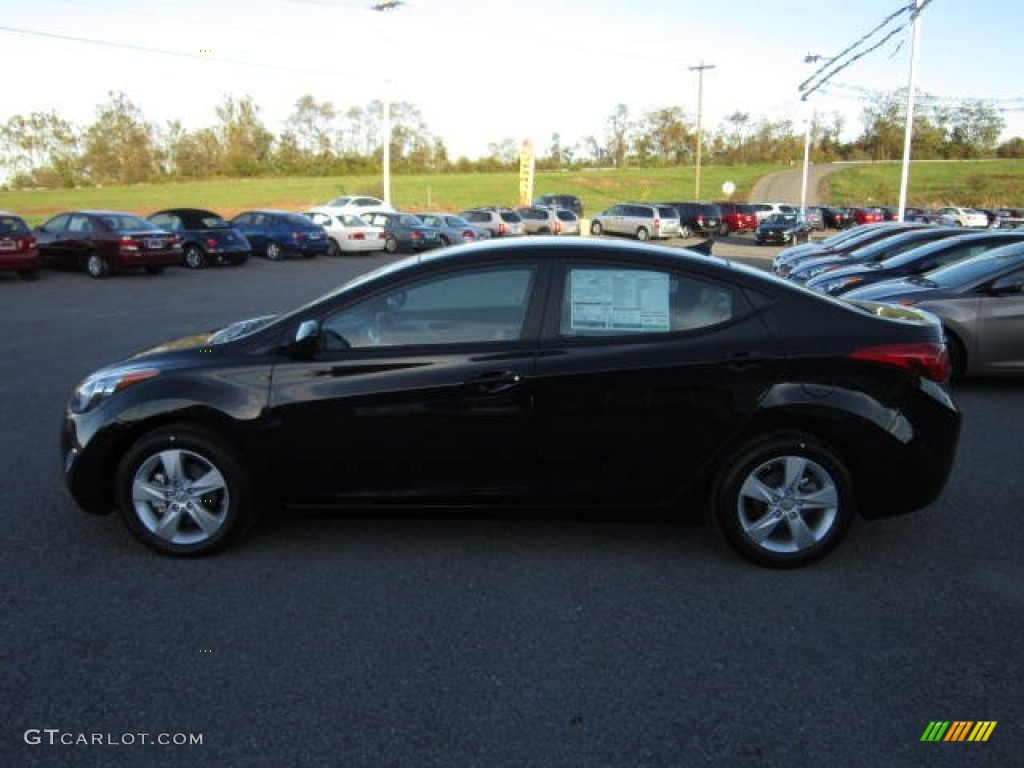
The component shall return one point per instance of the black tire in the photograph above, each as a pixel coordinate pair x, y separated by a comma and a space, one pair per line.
274, 252
596, 228
444, 240
173, 515
684, 231
776, 519
643, 234
97, 265
333, 249
193, 257
391, 244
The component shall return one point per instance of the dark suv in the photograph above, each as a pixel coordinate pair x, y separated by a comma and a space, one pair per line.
571, 202
698, 218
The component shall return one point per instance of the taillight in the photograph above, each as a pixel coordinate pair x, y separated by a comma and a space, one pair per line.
297, 235
211, 242
467, 234
27, 242
926, 359
416, 235
557, 228
700, 219
128, 244
502, 228
356, 236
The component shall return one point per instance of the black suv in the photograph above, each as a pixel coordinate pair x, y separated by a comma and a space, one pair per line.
698, 218
571, 202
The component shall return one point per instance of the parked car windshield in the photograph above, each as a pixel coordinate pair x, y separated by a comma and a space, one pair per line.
969, 270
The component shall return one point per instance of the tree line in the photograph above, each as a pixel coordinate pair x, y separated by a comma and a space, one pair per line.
120, 146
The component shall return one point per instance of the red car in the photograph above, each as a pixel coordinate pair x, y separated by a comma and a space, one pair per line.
102, 241
737, 217
18, 249
867, 215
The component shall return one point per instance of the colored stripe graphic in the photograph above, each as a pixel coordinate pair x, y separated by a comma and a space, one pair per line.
958, 730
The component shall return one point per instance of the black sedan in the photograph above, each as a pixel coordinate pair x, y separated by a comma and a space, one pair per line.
533, 374
915, 261
782, 229
206, 238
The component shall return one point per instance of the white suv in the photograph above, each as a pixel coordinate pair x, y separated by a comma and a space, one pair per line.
644, 221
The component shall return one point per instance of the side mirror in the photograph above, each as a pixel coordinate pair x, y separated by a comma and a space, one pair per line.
307, 340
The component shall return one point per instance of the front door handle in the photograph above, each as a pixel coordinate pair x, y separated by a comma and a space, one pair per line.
494, 382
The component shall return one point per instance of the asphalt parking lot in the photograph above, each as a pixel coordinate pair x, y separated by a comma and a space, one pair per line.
480, 641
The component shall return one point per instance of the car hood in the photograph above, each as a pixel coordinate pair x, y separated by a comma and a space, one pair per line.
205, 342
891, 290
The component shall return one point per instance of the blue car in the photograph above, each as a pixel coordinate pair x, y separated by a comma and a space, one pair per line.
281, 234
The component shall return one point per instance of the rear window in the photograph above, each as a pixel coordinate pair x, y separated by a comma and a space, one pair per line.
668, 212
12, 225
565, 215
511, 217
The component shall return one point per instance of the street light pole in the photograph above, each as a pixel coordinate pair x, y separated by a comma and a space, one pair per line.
386, 5
700, 109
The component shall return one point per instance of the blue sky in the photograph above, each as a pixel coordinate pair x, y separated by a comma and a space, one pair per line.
484, 71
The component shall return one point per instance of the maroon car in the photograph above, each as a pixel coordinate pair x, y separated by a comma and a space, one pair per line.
102, 241
737, 217
18, 249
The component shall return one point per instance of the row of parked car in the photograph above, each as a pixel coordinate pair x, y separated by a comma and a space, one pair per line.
973, 281
102, 241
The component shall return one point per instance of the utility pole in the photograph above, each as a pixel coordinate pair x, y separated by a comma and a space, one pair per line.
700, 109
908, 130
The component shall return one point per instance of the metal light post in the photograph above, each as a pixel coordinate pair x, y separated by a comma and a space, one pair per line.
908, 131
386, 5
700, 108
810, 58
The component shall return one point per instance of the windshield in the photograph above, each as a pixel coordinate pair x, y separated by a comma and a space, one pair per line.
978, 267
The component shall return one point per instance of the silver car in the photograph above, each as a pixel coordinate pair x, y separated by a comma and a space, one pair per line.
500, 222
548, 220
980, 301
644, 221
453, 228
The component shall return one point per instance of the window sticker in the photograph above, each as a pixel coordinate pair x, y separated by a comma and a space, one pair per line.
626, 300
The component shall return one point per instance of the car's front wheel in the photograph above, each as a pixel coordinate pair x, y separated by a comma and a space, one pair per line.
181, 492
333, 249
643, 234
596, 228
274, 252
685, 232
784, 501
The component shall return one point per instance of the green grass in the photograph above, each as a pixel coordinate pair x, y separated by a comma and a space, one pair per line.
977, 183
450, 191
981, 183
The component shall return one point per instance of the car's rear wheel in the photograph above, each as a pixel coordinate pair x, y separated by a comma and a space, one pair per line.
274, 252
96, 265
684, 231
784, 501
643, 234
391, 244
596, 228
723, 230
333, 249
181, 492
193, 256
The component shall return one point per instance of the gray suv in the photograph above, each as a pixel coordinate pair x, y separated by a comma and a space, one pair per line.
644, 221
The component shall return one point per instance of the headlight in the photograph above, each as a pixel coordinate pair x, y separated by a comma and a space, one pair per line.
99, 386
